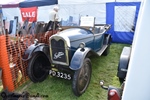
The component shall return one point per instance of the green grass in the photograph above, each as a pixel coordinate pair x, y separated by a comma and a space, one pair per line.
103, 68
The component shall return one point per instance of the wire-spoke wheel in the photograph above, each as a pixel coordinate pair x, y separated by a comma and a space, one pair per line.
81, 78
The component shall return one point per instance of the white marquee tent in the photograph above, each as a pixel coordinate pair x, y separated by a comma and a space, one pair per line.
121, 14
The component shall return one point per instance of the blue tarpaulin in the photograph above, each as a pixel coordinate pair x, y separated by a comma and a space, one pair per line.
121, 30
33, 3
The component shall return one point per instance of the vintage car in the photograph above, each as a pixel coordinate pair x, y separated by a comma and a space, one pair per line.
67, 55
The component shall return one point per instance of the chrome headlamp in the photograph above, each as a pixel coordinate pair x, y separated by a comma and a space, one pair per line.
36, 41
82, 46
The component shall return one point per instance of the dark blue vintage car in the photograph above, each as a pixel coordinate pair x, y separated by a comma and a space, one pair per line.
67, 55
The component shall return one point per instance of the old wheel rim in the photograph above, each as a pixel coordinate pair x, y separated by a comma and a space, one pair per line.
84, 77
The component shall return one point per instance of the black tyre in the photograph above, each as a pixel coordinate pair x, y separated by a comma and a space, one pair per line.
121, 80
106, 52
38, 68
108, 42
81, 78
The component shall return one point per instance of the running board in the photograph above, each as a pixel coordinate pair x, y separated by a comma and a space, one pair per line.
100, 52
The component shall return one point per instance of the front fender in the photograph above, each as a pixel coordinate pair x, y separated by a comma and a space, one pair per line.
78, 58
35, 48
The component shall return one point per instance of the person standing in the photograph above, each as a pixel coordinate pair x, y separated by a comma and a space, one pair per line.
53, 24
54, 19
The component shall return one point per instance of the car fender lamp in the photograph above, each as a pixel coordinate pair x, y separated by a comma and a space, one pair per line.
82, 46
36, 41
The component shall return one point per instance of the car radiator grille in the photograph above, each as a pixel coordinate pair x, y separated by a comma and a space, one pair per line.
58, 51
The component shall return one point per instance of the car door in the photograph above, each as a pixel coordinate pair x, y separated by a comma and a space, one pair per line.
98, 41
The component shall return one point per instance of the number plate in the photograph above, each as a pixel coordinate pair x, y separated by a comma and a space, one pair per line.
60, 74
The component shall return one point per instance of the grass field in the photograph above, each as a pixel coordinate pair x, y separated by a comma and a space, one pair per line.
103, 68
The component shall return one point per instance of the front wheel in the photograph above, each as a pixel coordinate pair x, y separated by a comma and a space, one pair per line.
38, 68
106, 52
108, 42
121, 80
81, 78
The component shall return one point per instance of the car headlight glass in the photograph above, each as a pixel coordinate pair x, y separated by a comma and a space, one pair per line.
82, 45
36, 41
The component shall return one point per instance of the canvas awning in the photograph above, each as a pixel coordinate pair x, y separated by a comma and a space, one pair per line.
33, 3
